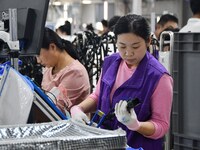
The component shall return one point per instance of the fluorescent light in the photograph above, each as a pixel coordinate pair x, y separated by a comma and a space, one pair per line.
105, 7
86, 1
57, 3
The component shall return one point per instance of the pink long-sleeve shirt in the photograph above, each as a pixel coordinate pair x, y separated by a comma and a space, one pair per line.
74, 81
161, 100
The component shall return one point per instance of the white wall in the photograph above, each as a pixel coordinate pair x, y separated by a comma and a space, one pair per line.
170, 6
120, 8
88, 15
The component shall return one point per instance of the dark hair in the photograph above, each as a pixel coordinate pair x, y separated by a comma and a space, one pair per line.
132, 23
67, 27
104, 22
167, 37
63, 29
195, 6
90, 27
112, 22
52, 37
166, 18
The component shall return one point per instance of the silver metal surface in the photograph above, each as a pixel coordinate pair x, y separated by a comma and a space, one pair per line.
59, 135
166, 57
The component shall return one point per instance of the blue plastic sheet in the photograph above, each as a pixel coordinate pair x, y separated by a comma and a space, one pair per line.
130, 148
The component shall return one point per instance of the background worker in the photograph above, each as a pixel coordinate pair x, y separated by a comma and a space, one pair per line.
166, 21
63, 71
193, 24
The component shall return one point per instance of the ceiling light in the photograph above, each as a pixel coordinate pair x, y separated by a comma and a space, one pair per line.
86, 1
57, 3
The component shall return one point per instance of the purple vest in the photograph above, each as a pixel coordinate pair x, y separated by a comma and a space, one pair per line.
141, 85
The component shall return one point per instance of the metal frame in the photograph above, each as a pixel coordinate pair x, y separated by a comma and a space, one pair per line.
45, 104
171, 47
167, 143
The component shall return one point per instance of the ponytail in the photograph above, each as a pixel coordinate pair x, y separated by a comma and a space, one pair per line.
52, 37
69, 48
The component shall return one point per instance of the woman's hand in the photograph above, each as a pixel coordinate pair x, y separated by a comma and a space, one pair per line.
126, 118
78, 115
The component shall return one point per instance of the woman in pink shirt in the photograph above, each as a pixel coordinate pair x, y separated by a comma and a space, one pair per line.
64, 76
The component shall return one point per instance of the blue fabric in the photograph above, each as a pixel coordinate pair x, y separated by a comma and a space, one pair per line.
141, 85
7, 63
129, 148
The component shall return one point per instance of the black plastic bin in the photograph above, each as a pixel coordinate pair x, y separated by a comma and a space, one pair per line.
183, 142
186, 100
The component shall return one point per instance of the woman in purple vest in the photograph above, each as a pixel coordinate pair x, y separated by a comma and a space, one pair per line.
132, 73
